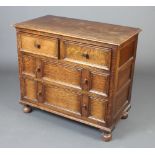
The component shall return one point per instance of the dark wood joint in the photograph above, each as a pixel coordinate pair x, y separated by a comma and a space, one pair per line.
85, 105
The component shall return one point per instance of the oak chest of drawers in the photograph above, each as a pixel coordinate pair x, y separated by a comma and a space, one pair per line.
77, 69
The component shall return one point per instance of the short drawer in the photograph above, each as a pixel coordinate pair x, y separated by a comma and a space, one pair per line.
39, 45
92, 55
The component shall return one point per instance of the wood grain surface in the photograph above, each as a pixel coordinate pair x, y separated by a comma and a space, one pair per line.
77, 69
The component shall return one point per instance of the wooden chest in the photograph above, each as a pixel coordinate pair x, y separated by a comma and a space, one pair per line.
77, 69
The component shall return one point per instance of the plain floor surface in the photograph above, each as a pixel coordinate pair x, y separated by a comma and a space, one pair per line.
42, 129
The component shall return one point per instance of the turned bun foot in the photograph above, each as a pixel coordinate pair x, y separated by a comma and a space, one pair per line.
107, 137
124, 115
27, 109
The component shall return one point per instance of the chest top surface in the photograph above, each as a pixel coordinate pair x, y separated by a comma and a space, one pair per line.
82, 29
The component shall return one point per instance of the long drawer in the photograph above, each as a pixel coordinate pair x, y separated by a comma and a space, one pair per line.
68, 101
72, 76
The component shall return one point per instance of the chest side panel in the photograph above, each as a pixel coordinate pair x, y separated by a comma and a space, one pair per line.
125, 73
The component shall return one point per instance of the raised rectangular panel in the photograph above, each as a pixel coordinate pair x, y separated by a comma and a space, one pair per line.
62, 98
98, 108
126, 53
100, 83
59, 73
30, 89
121, 99
124, 75
29, 64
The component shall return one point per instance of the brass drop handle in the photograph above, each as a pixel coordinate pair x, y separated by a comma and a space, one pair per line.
85, 81
86, 55
38, 70
37, 45
40, 99
40, 94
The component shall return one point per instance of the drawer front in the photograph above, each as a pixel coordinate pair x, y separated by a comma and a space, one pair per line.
61, 98
60, 88
67, 101
61, 74
94, 56
39, 45
66, 75
76, 77
71, 101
